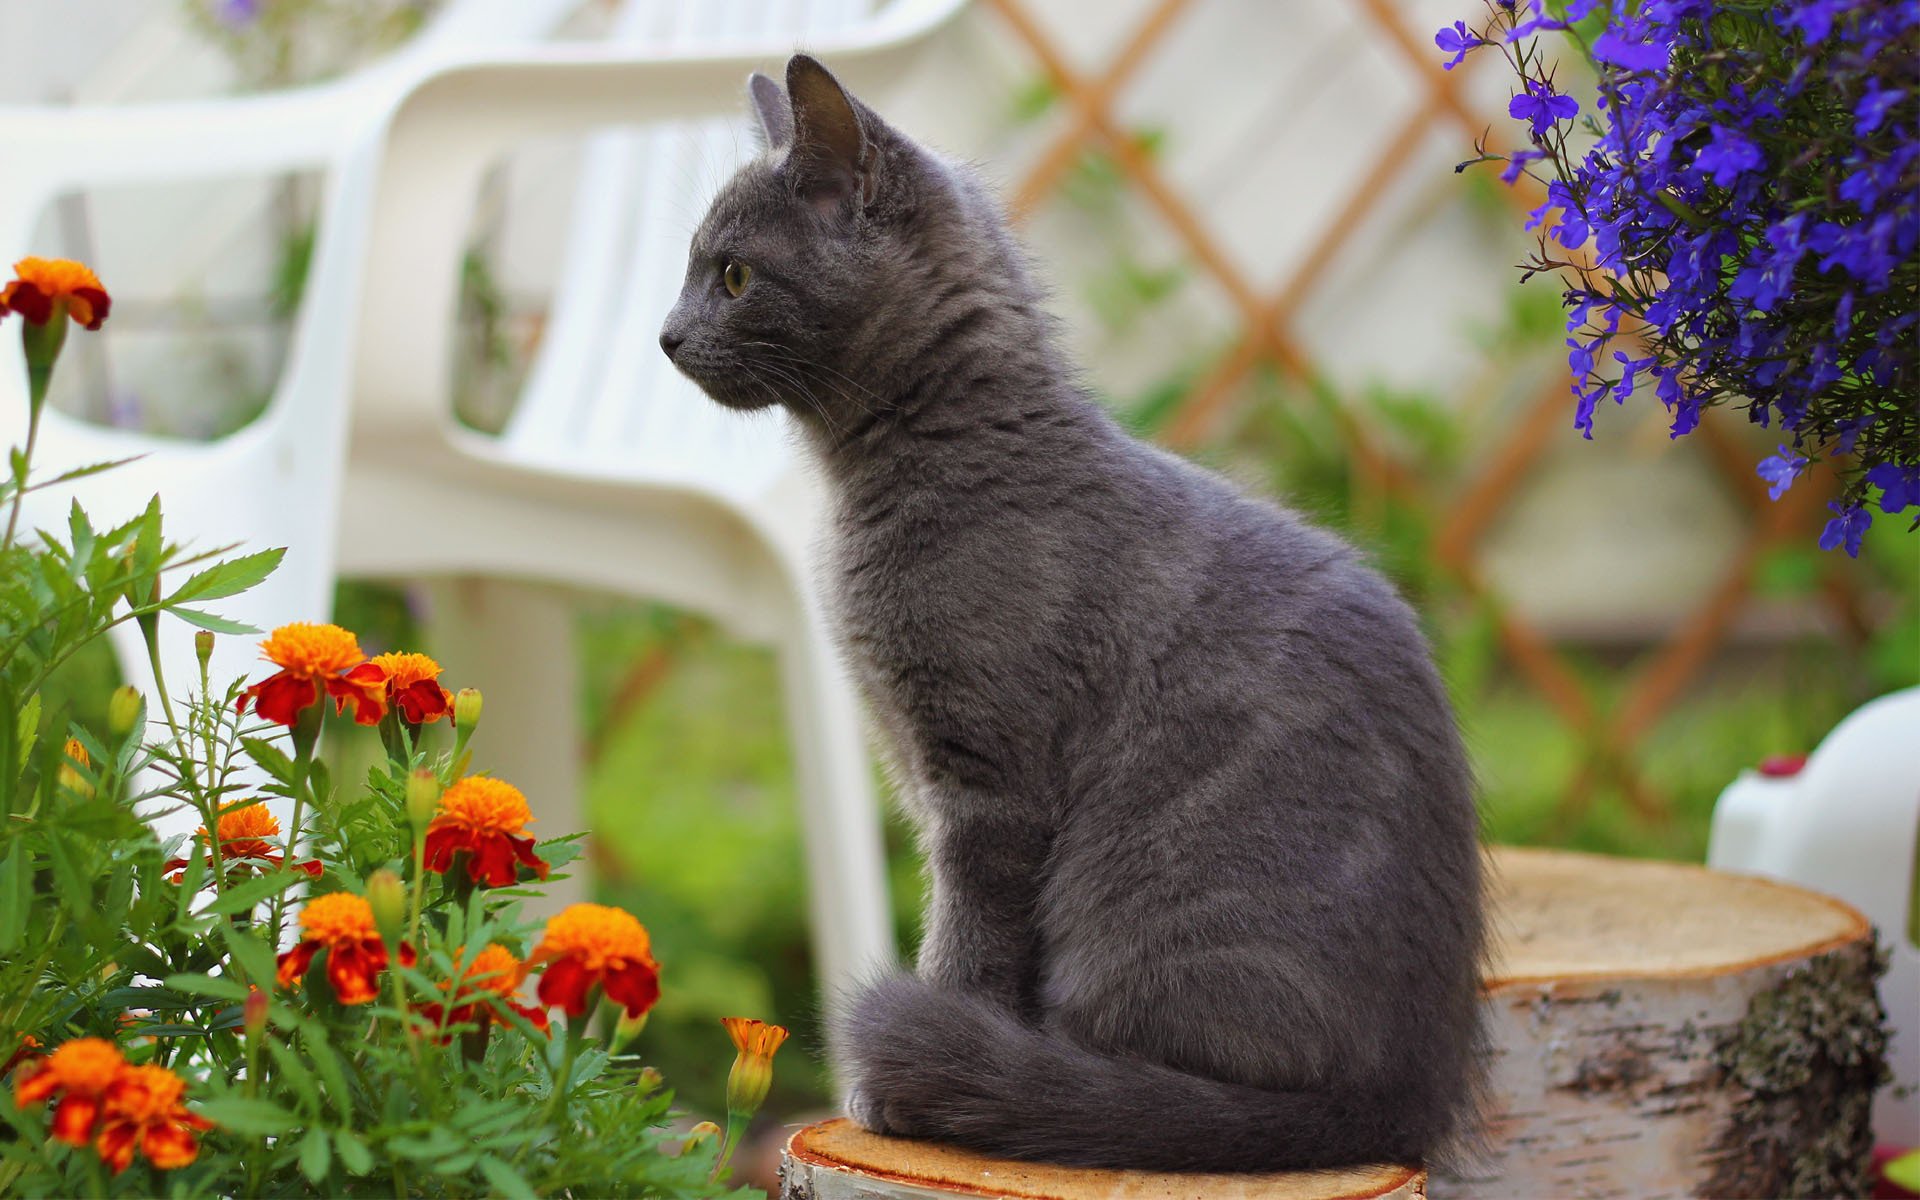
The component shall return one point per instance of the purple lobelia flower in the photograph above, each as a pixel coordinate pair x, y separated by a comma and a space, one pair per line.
1542, 107
1847, 526
1780, 470
1743, 221
1458, 41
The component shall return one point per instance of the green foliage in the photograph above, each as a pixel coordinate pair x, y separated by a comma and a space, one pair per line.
433, 1086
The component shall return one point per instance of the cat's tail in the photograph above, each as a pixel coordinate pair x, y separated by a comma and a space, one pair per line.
936, 1064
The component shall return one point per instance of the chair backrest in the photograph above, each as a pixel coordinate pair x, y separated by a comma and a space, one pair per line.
601, 398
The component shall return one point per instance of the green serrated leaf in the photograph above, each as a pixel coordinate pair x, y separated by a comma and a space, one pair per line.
27, 728
243, 896
355, 1156
270, 758
507, 1181
260, 1117
16, 894
210, 622
206, 985
253, 955
316, 1156
228, 578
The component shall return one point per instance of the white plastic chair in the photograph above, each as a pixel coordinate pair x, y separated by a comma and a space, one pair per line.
614, 474
275, 482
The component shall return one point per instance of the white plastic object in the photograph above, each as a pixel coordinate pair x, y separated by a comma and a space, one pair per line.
275, 482
615, 474
1845, 825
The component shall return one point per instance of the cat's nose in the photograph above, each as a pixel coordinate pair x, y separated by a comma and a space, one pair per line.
670, 341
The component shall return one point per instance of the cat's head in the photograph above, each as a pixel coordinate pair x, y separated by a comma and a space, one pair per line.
831, 263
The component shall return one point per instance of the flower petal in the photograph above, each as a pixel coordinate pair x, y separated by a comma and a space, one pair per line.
168, 1145
294, 964
365, 687
634, 986
73, 1119
281, 698
116, 1145
565, 983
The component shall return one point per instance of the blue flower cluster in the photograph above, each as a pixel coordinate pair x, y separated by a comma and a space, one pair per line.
1742, 224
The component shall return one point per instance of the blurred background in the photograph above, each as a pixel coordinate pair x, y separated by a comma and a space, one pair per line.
1262, 256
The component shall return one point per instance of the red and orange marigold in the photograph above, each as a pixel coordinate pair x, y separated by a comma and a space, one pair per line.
341, 924
411, 683
483, 817
44, 287
495, 970
244, 826
589, 945
79, 1072
143, 1111
314, 661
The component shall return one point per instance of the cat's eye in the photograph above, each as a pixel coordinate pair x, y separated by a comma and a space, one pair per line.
735, 276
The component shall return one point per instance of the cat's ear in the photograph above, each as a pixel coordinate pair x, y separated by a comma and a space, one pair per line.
832, 160
770, 105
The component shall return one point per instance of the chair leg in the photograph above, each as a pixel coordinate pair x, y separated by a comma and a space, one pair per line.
839, 815
514, 641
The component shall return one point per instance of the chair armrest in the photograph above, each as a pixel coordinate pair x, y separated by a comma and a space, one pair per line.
454, 124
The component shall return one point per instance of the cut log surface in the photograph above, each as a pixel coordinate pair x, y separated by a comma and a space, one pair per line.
1657, 1030
837, 1160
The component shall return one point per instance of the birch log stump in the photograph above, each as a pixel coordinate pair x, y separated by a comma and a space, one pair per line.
1658, 1030
1662, 1030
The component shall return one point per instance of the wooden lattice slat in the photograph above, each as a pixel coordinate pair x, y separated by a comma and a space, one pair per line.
1610, 736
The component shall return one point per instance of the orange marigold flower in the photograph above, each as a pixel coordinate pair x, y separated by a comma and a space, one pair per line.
482, 816
244, 826
143, 1111
589, 944
752, 1074
411, 682
42, 287
314, 661
341, 924
79, 1072
495, 970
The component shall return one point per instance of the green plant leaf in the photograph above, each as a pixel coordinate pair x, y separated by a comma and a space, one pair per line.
259, 1117
270, 758
16, 894
354, 1155
206, 985
243, 896
210, 622
1904, 1171
229, 578
316, 1156
505, 1179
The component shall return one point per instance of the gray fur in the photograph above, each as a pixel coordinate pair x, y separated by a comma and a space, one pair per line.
1206, 874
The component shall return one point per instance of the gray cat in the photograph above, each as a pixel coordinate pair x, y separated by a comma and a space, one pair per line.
1205, 864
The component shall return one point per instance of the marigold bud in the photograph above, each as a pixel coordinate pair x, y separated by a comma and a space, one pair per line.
71, 767
423, 798
466, 707
203, 647
253, 1012
752, 1074
703, 1132
123, 710
387, 896
626, 1029
649, 1079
